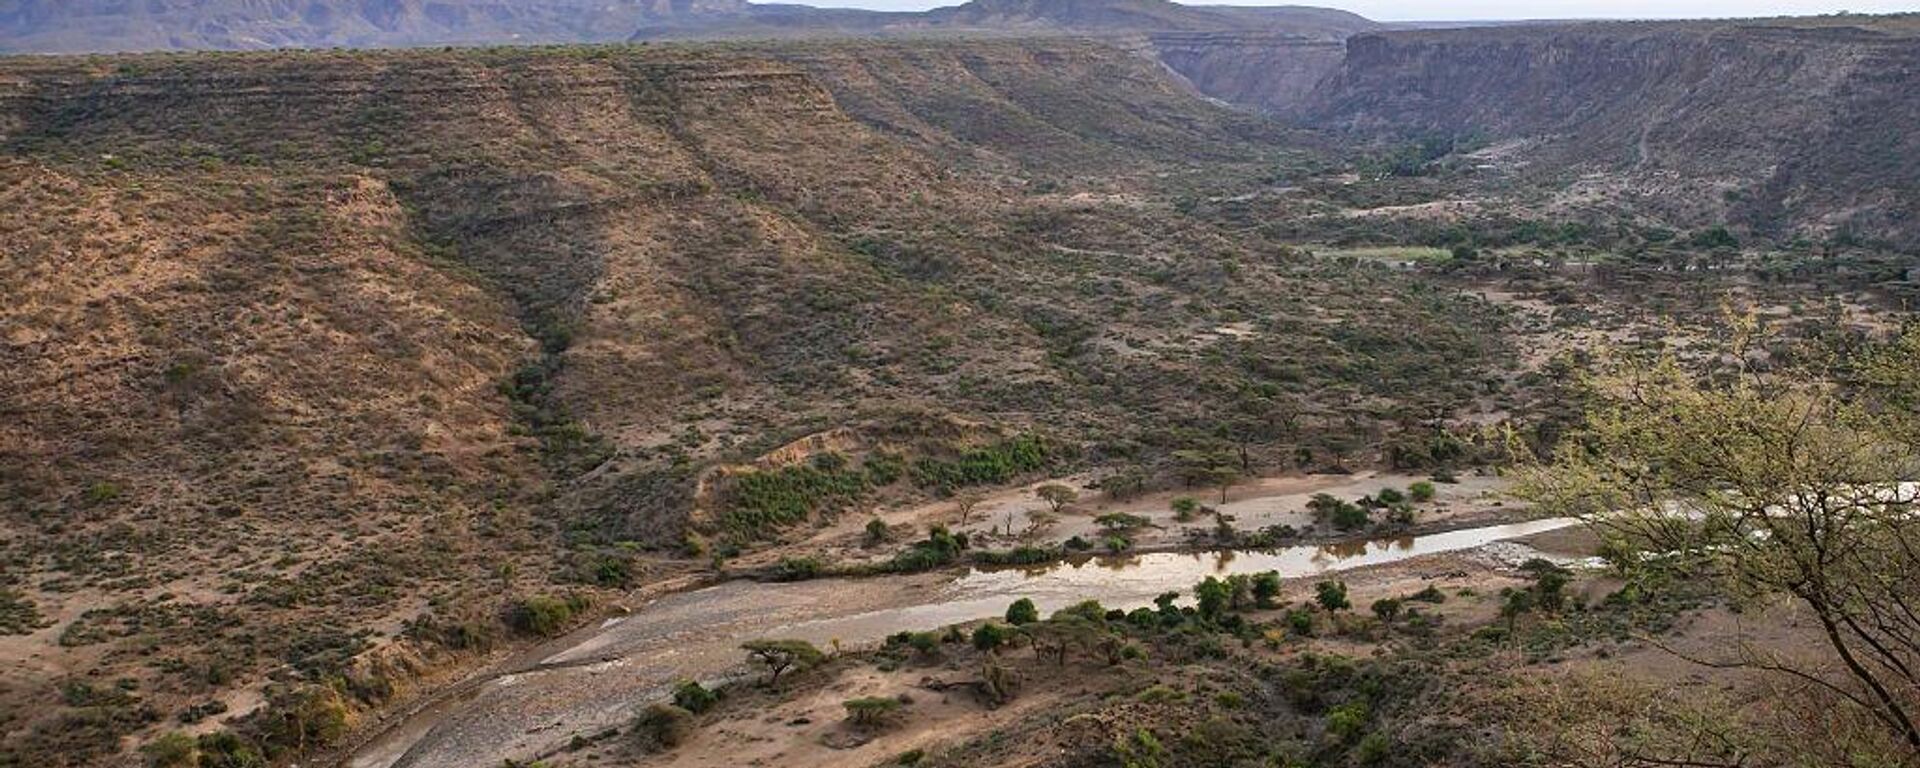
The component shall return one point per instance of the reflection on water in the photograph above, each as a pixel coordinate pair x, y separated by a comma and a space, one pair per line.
1131, 581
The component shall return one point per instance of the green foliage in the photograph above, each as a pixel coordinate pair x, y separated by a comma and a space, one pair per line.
1348, 721
1331, 595
1214, 597
1022, 612
172, 750
995, 464
991, 636
780, 656
1339, 513
226, 749
877, 531
1142, 750
797, 569
759, 502
941, 547
18, 615
1056, 495
545, 615
1390, 496
1266, 589
1421, 491
693, 697
1022, 555
1300, 622
661, 727
1184, 508
1387, 609
871, 710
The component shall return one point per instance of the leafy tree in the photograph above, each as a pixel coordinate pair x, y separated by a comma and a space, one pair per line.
1184, 508
1056, 496
783, 655
1331, 595
1220, 469
1387, 609
1349, 517
871, 710
1119, 522
1266, 589
964, 504
991, 636
1213, 597
1779, 479
1022, 612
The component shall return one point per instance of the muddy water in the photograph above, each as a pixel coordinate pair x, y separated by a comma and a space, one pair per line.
596, 683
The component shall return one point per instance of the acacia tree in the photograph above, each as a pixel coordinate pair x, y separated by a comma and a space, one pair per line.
964, 504
1056, 495
1773, 481
782, 655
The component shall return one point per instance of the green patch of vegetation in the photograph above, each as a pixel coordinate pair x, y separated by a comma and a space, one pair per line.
545, 615
18, 615
760, 502
995, 464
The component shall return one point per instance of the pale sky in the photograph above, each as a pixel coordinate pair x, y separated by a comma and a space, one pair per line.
1446, 10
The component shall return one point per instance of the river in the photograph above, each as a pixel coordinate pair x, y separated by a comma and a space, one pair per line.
596, 683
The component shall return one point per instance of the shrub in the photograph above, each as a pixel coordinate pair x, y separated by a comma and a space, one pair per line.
1300, 622
758, 502
992, 465
226, 749
172, 750
1349, 517
1184, 508
662, 726
1421, 491
1431, 594
876, 531
544, 615
1347, 721
1023, 555
1022, 612
1387, 609
940, 548
694, 697
1213, 596
1331, 595
1390, 496
796, 569
1266, 589
990, 636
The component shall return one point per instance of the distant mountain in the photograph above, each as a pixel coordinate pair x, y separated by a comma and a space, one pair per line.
79, 26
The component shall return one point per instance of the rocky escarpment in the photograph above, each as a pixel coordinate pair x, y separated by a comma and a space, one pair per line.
1264, 71
1782, 126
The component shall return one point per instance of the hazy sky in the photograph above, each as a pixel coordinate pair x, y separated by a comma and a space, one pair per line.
1414, 10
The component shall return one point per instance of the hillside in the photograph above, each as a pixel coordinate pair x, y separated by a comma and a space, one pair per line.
1788, 127
320, 364
79, 26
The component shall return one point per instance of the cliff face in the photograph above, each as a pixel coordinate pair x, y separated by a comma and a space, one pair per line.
1267, 72
1791, 127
